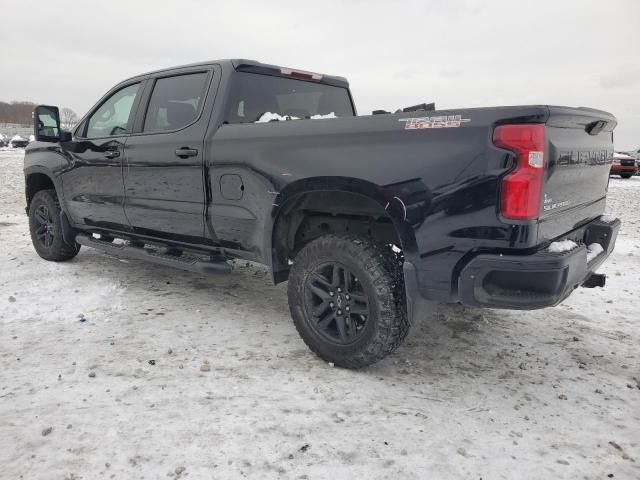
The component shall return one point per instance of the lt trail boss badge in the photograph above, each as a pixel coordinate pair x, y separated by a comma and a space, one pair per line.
445, 121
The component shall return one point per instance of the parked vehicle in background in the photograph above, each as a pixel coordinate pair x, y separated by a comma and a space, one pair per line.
636, 155
624, 165
18, 142
363, 215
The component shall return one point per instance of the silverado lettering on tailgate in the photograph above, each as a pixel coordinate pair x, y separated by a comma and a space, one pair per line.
598, 157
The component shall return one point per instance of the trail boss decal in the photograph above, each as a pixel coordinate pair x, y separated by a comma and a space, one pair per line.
445, 121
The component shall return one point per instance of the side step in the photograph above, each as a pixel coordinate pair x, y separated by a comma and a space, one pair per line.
184, 262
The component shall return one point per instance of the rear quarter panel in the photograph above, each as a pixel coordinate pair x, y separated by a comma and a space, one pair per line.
439, 185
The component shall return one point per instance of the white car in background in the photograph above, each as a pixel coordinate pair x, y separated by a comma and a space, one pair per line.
18, 141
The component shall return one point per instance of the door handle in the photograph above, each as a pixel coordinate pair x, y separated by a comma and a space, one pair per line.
112, 153
186, 152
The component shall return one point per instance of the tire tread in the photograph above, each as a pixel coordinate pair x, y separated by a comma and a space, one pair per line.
384, 269
60, 250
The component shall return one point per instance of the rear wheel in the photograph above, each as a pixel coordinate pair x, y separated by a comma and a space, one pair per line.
46, 228
626, 175
347, 300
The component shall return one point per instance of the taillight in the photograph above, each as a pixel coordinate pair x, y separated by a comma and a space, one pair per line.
522, 188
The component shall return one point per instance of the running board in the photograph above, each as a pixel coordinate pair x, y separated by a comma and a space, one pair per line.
184, 262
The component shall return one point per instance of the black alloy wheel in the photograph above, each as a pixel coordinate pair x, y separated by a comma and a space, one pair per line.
347, 299
336, 302
45, 228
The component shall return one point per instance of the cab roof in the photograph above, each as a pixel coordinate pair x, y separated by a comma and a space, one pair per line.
253, 66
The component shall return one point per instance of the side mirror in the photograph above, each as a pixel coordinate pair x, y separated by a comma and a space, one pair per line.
46, 124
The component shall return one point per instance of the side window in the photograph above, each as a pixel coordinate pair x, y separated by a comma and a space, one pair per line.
112, 117
175, 102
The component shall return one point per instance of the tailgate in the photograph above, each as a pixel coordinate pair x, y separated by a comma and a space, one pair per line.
580, 149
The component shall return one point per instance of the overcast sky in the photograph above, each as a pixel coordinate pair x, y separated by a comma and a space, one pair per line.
394, 53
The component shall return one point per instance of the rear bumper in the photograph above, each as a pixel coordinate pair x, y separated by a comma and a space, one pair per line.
542, 279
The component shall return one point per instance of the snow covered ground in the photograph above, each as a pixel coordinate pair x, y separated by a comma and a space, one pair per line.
173, 375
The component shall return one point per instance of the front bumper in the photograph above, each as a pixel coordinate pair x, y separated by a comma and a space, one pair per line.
542, 279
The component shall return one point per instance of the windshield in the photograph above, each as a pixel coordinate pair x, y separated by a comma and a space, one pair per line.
253, 95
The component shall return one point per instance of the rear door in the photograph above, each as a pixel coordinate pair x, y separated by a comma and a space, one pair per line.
163, 170
580, 143
93, 182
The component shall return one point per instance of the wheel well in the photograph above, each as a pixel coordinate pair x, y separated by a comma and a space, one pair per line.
36, 182
312, 215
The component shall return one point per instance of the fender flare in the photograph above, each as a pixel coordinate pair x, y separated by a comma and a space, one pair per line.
385, 197
68, 234
57, 183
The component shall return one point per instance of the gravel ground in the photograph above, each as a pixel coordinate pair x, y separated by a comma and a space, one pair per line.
121, 369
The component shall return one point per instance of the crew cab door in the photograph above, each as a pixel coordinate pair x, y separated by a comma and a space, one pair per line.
93, 185
163, 171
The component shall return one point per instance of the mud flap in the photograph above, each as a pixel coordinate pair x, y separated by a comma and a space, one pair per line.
68, 234
411, 290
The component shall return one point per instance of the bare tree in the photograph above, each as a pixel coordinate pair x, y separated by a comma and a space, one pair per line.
68, 118
18, 113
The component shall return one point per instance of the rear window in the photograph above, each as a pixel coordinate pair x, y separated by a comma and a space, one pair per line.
253, 95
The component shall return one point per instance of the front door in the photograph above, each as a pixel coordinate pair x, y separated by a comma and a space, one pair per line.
163, 170
93, 186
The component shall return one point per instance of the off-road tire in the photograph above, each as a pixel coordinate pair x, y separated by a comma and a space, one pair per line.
55, 249
379, 273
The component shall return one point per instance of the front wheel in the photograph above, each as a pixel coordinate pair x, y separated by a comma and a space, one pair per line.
347, 300
46, 228
626, 175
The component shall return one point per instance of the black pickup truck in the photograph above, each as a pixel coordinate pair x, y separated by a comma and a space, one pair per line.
365, 216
